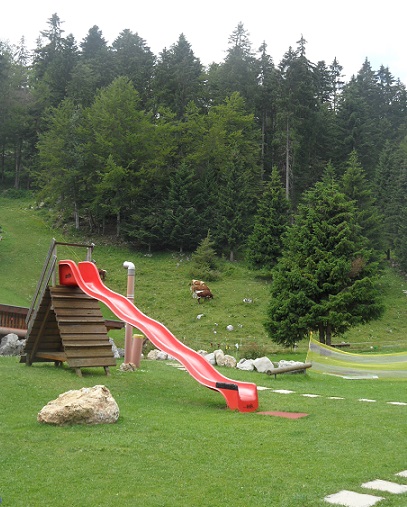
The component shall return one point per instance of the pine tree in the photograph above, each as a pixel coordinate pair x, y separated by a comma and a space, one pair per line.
204, 263
356, 187
264, 244
182, 216
178, 74
325, 280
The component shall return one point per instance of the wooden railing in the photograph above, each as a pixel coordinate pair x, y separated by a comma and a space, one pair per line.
48, 276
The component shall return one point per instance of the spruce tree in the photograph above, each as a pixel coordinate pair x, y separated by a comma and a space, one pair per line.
204, 260
182, 215
264, 244
356, 187
325, 280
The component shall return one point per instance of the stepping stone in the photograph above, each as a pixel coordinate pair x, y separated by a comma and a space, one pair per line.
311, 395
396, 403
352, 499
335, 398
389, 487
367, 400
402, 474
283, 391
262, 388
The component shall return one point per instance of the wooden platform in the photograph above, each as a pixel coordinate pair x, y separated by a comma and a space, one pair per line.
69, 327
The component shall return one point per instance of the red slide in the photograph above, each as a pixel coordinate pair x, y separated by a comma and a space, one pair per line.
240, 396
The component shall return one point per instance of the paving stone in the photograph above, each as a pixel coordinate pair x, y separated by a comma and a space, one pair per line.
262, 388
311, 395
396, 403
352, 499
389, 487
283, 391
402, 474
335, 398
367, 400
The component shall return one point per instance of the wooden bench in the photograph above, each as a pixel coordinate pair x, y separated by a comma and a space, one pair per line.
287, 369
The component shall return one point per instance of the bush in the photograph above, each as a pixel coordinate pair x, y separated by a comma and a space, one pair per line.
252, 350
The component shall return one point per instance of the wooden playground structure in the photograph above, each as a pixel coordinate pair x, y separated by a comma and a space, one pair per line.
66, 325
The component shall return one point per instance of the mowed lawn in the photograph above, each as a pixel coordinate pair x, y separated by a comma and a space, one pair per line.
176, 443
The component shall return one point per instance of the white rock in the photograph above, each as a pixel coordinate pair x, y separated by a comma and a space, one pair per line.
219, 357
162, 356
211, 358
230, 327
245, 364
230, 361
283, 363
153, 354
11, 345
263, 364
89, 405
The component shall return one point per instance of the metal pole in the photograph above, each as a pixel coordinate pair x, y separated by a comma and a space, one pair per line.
130, 296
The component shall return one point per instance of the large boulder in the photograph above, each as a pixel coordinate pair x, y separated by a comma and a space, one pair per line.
211, 358
230, 361
89, 405
219, 357
10, 345
245, 364
263, 364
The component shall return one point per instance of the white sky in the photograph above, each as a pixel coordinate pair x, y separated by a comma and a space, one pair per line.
349, 30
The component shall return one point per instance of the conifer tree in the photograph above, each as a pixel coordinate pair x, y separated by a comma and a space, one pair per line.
325, 280
204, 260
356, 187
182, 216
264, 244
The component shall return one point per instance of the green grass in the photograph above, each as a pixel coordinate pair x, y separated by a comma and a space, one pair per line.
175, 443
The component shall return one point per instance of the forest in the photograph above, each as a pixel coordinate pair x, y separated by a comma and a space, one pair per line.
160, 151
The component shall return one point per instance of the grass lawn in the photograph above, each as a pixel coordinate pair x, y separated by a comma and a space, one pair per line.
176, 443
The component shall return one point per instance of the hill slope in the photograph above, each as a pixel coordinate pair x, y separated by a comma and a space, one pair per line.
162, 288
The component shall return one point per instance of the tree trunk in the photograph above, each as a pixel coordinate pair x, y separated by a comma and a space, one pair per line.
328, 335
118, 224
17, 157
321, 333
76, 216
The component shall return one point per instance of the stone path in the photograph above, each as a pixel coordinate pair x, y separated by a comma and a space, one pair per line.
310, 395
352, 499
346, 498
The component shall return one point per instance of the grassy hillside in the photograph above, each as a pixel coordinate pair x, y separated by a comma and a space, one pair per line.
174, 442
162, 288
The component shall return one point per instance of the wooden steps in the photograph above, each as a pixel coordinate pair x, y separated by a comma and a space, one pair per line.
69, 326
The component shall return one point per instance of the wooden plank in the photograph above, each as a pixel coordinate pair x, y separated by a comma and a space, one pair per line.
52, 355
75, 337
91, 344
87, 353
64, 313
75, 328
39, 334
88, 362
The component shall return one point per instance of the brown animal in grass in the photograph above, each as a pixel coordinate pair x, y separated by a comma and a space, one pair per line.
200, 290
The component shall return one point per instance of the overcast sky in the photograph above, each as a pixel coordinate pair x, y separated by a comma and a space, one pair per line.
350, 30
